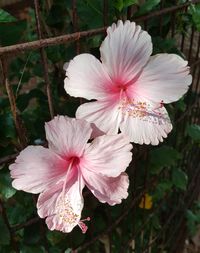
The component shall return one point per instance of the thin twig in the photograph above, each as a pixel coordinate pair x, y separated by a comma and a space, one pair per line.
17, 120
75, 24
7, 159
44, 60
25, 224
20, 80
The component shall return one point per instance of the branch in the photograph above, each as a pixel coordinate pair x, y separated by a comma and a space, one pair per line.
25, 224
7, 159
44, 60
19, 48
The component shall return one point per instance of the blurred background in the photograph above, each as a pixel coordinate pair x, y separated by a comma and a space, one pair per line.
162, 212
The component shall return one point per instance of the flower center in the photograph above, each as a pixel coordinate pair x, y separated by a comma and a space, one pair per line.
121, 87
74, 160
143, 111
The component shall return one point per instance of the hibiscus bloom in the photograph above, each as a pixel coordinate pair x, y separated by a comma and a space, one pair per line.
130, 86
60, 172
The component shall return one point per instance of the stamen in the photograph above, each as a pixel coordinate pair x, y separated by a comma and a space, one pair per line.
143, 111
66, 212
82, 225
64, 209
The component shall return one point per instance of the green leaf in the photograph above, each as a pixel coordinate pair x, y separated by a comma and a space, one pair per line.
58, 15
23, 100
6, 17
147, 7
192, 222
121, 4
163, 157
12, 32
6, 189
32, 249
7, 129
118, 4
5, 236
179, 179
163, 187
194, 132
55, 237
194, 10
129, 2
155, 222
181, 105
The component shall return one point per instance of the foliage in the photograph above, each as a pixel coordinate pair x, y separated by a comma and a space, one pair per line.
194, 132
195, 13
193, 218
162, 164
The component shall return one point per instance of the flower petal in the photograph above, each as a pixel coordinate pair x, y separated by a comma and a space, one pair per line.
165, 78
86, 77
108, 155
107, 189
66, 136
104, 114
145, 123
62, 209
36, 168
125, 51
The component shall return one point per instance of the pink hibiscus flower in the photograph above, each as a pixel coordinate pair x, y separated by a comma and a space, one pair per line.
130, 86
60, 172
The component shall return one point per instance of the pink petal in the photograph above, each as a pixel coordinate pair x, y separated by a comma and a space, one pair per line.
165, 78
125, 51
108, 155
107, 189
36, 168
86, 77
66, 136
145, 123
104, 114
62, 209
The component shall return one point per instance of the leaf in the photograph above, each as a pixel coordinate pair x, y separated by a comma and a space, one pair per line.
5, 239
32, 249
121, 4
129, 2
7, 129
6, 189
181, 105
58, 15
194, 10
192, 222
6, 17
155, 222
162, 157
12, 32
194, 132
179, 179
147, 7
118, 4
23, 100
161, 189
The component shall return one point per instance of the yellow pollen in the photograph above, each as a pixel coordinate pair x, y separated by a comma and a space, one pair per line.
65, 212
143, 111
